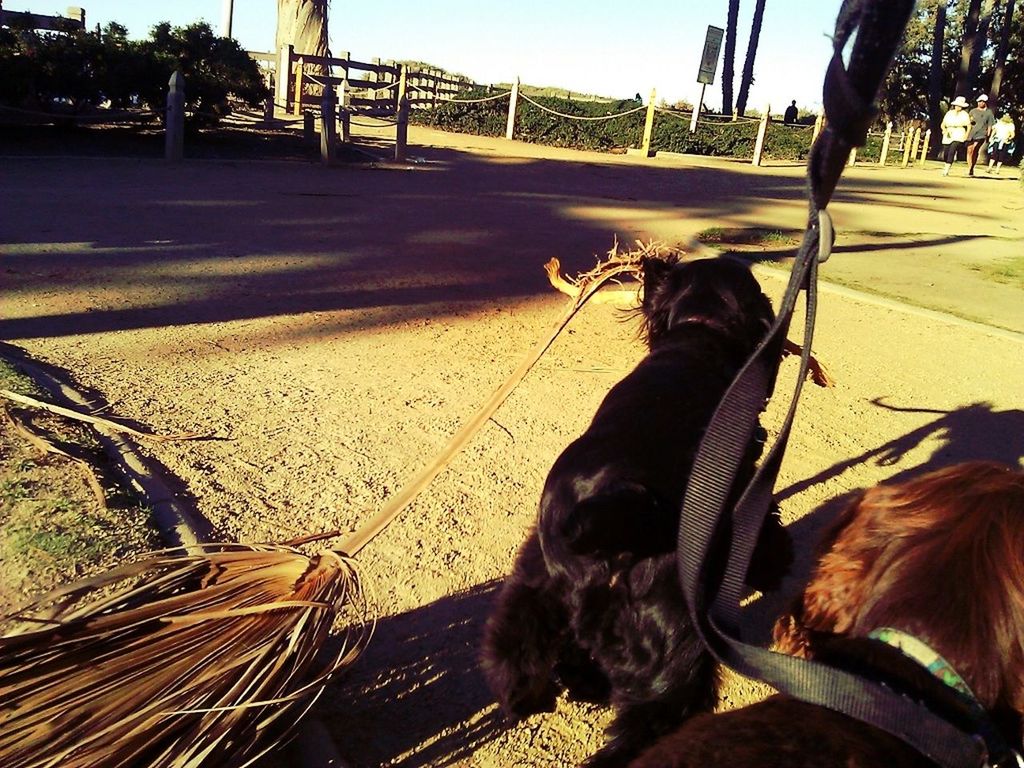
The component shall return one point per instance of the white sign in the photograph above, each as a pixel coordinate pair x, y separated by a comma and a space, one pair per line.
709, 59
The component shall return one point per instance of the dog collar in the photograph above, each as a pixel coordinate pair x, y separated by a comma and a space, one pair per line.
1001, 755
924, 655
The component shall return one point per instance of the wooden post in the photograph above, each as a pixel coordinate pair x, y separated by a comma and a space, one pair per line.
327, 128
913, 144
884, 156
299, 75
645, 147
696, 110
309, 128
174, 122
819, 126
906, 149
853, 157
344, 115
513, 101
762, 131
924, 147
345, 58
402, 128
283, 76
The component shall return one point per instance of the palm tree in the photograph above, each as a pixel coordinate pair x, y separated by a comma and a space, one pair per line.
728, 64
748, 64
303, 24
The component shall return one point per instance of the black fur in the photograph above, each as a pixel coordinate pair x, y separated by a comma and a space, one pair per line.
594, 604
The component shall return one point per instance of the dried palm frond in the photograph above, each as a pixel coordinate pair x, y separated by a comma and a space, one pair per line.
185, 658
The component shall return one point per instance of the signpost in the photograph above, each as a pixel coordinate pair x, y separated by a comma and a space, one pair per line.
708, 67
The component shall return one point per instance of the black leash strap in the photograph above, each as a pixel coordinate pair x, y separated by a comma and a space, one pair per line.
714, 594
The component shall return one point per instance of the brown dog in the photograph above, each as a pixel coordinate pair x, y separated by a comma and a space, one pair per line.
939, 558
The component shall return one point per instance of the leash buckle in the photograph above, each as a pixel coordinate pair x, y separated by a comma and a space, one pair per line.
826, 237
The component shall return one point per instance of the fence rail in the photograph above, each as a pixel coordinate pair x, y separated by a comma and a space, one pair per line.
367, 86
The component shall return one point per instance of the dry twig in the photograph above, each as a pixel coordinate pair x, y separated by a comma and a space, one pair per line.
96, 420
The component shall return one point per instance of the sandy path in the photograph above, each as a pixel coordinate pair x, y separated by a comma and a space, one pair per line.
337, 326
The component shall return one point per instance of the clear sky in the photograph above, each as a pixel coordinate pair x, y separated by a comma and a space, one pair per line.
613, 49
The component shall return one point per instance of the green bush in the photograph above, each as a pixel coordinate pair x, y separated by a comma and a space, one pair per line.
77, 71
671, 130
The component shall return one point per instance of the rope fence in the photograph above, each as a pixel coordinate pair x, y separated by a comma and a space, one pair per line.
352, 107
504, 95
581, 117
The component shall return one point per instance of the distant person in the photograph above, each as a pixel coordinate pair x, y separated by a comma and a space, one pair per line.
982, 121
955, 125
1002, 143
791, 114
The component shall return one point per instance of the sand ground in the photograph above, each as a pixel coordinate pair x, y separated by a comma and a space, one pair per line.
335, 326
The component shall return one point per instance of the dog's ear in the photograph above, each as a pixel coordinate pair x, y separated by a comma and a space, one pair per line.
655, 271
835, 592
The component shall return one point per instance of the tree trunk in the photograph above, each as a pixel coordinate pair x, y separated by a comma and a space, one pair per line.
729, 58
980, 41
1001, 52
748, 65
964, 85
935, 70
303, 23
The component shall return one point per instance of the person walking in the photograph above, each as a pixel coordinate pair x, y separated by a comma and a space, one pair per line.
791, 114
1001, 143
955, 125
982, 120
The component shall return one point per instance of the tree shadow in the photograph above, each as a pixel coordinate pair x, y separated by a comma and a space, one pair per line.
417, 695
779, 254
972, 432
243, 241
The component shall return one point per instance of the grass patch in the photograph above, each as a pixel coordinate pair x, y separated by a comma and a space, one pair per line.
754, 237
1008, 271
52, 526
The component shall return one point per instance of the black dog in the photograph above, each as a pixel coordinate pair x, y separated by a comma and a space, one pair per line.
593, 604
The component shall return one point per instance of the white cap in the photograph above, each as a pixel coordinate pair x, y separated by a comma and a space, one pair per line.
983, 97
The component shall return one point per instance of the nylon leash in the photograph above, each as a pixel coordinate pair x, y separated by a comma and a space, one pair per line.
712, 591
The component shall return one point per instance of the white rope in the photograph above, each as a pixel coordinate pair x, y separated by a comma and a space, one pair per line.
579, 117
477, 101
383, 88
384, 123
673, 113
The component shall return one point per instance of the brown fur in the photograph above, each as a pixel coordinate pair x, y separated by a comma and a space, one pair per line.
940, 557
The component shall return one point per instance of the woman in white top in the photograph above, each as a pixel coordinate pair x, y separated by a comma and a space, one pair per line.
1001, 143
954, 132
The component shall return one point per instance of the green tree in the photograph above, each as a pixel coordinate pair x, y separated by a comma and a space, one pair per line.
216, 70
77, 71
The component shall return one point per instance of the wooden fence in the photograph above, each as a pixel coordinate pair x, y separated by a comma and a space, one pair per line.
369, 87
75, 19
